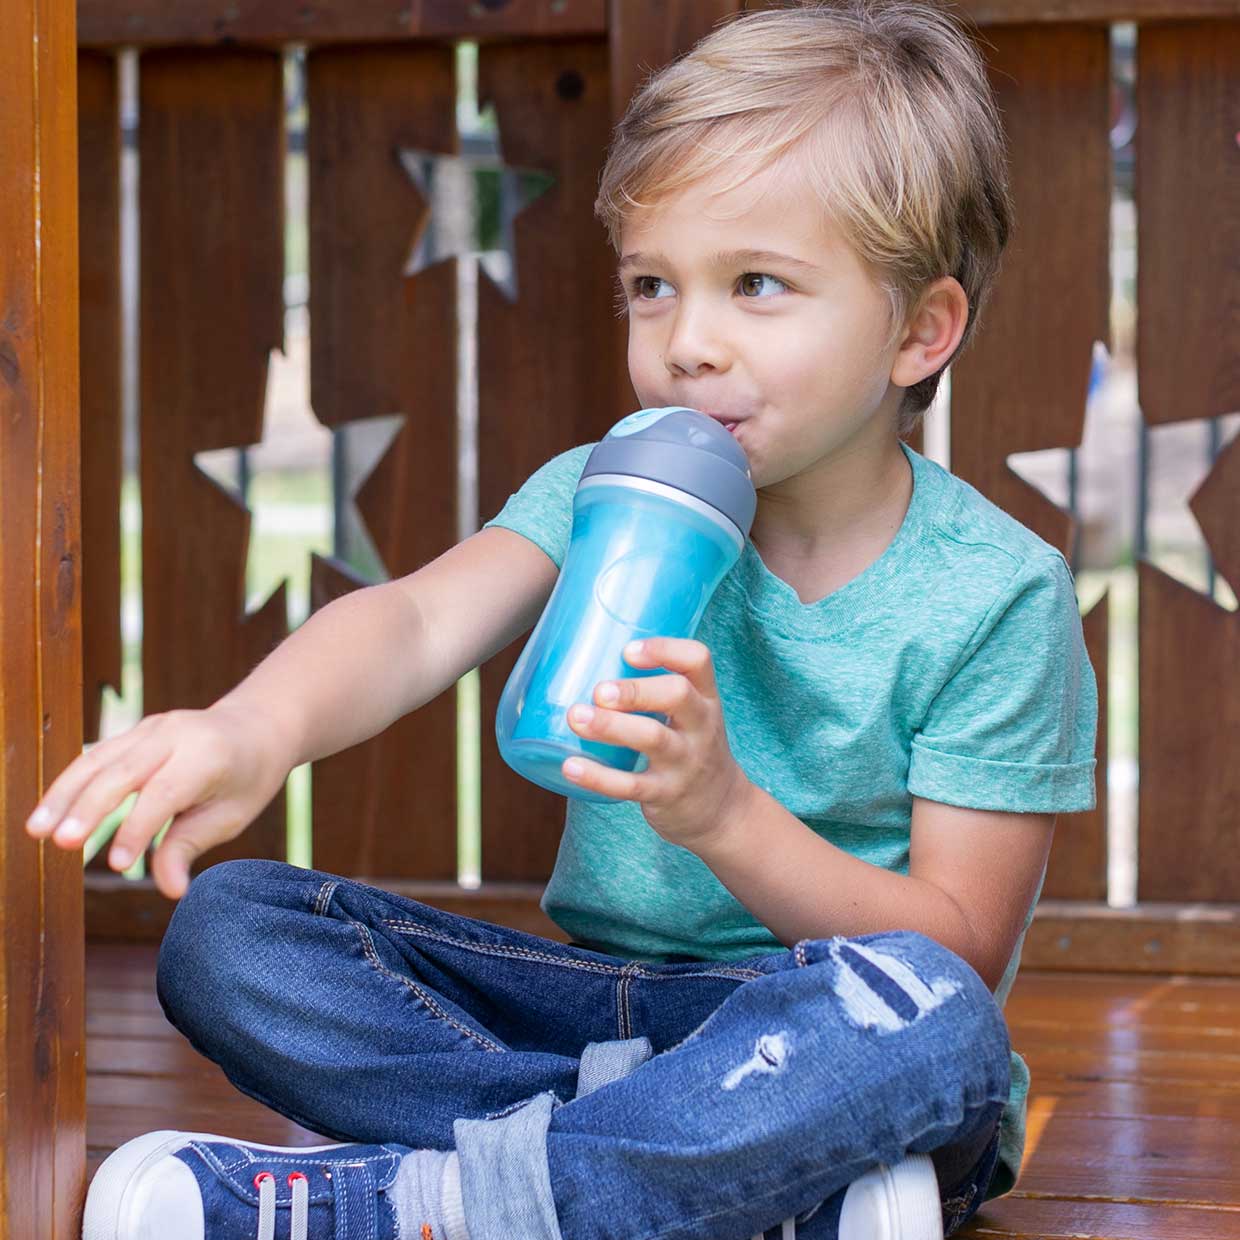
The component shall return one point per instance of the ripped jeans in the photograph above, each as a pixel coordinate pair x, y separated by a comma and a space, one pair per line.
591, 1097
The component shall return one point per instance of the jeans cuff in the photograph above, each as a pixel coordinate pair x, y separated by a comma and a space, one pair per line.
604, 1062
505, 1182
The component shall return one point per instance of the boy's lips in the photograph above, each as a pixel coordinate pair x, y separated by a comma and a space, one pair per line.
727, 420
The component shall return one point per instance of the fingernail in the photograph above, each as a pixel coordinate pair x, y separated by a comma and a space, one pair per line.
119, 858
608, 693
633, 648
68, 830
582, 714
41, 817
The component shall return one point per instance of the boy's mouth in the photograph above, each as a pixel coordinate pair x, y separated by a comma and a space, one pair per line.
728, 424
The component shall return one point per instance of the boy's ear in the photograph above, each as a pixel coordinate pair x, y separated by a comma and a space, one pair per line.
933, 332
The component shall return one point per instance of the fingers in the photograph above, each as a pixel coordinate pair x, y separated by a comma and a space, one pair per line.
668, 695
678, 654
623, 785
190, 835
618, 728
164, 794
93, 785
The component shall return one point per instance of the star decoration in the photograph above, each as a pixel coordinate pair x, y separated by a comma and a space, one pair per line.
473, 200
345, 458
1109, 511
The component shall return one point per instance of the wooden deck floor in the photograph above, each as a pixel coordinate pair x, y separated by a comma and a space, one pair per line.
1134, 1115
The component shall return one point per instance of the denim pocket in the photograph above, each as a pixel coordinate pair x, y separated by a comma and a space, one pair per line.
963, 1201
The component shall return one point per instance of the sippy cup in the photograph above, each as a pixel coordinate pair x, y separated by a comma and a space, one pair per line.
660, 515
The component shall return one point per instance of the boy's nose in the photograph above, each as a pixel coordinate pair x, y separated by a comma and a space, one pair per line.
696, 342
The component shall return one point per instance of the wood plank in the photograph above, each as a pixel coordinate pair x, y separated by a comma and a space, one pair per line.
212, 309
1188, 234
1189, 795
1188, 220
1150, 938
1193, 1160
42, 1076
383, 343
1009, 12
146, 23
1020, 1217
1050, 1062
550, 363
133, 910
102, 424
143, 23
1014, 390
643, 35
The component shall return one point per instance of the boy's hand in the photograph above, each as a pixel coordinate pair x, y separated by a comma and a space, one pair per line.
212, 771
692, 785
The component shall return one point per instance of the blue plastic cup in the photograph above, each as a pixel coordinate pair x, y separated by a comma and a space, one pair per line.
660, 516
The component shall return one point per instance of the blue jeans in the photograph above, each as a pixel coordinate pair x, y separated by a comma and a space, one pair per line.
590, 1097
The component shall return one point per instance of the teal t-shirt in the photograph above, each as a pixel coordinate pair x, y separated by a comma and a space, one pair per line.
952, 668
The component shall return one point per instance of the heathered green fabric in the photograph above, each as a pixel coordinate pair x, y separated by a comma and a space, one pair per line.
953, 668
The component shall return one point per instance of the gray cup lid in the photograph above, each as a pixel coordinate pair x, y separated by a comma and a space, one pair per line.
682, 448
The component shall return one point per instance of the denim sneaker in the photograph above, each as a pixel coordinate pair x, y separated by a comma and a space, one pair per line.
894, 1203
200, 1186
888, 1203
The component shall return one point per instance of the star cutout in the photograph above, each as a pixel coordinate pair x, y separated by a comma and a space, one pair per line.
473, 200
1109, 470
359, 445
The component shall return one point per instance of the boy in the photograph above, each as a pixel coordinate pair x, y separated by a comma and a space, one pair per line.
777, 1004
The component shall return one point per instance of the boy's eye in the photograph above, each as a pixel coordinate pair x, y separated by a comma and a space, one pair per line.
749, 276
640, 286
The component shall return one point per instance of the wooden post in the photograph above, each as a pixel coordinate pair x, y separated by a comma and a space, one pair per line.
42, 1068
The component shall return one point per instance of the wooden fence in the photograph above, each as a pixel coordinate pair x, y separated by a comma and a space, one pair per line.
552, 374
380, 78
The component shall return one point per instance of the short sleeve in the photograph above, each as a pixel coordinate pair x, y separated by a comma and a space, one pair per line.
542, 509
1014, 727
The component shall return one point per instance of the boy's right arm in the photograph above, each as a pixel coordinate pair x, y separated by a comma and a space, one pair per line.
372, 656
353, 668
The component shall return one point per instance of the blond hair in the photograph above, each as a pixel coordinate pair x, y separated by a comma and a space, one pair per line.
888, 110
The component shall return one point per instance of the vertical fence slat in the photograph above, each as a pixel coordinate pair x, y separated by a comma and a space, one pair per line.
643, 36
385, 343
42, 1022
1022, 383
1188, 359
1077, 869
549, 363
212, 305
99, 174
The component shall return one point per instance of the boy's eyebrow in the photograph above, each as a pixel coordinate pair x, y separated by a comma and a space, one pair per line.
721, 258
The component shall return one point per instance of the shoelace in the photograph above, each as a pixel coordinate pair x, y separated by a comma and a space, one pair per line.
265, 1182
298, 1229
788, 1230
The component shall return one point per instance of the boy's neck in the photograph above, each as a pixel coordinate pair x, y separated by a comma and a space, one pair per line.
834, 522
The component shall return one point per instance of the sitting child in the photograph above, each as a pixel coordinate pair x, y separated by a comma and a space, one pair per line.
792, 933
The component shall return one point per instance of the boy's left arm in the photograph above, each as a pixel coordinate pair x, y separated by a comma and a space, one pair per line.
972, 877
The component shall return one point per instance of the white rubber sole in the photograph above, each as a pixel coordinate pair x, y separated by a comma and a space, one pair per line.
894, 1203
141, 1192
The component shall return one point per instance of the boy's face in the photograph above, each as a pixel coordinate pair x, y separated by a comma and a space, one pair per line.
797, 352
